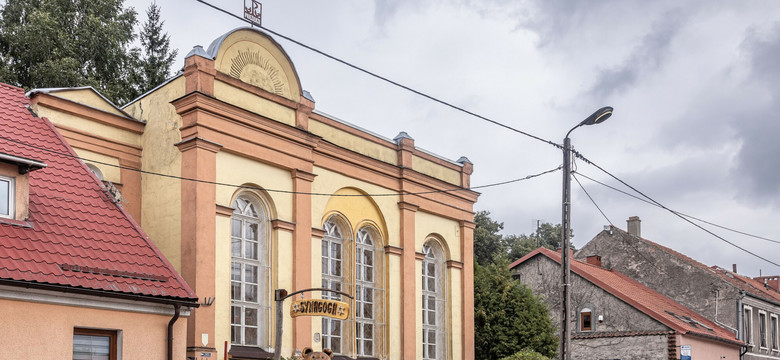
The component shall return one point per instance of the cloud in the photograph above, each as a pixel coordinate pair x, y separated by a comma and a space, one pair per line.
759, 130
645, 59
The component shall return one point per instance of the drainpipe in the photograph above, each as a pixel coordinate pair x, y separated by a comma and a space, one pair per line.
740, 323
176, 309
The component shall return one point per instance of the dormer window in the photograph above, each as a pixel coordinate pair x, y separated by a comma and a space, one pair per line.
15, 185
7, 197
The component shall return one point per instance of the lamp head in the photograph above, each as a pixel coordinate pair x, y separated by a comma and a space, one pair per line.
598, 117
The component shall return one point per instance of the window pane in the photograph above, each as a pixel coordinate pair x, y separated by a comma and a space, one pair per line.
235, 315
235, 290
250, 250
250, 274
235, 271
250, 336
335, 267
91, 347
369, 295
336, 324
235, 228
431, 284
431, 318
250, 317
335, 251
235, 334
368, 257
368, 311
251, 232
235, 247
250, 293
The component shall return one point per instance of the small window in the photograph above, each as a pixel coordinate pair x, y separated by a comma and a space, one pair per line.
7, 198
94, 169
586, 319
92, 344
773, 333
747, 322
762, 328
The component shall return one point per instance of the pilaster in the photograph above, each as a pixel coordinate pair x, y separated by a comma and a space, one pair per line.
198, 231
302, 245
409, 310
467, 251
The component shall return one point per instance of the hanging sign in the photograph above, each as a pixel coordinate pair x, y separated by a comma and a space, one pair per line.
319, 307
253, 11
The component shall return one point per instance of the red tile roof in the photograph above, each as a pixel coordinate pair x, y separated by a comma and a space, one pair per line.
644, 299
76, 237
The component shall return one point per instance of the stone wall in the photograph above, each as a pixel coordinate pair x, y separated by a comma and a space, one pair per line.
651, 347
693, 285
542, 275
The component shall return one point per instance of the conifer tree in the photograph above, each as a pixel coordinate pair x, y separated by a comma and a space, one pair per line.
157, 57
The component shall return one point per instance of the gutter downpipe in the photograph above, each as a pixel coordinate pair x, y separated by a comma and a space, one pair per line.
740, 324
176, 310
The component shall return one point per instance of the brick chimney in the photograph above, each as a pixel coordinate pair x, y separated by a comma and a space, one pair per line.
594, 260
634, 226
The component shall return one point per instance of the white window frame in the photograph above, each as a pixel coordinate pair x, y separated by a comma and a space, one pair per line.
333, 250
11, 197
368, 293
434, 260
774, 332
747, 324
240, 263
762, 330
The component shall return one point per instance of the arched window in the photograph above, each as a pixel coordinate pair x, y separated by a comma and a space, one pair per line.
433, 303
333, 278
369, 293
250, 273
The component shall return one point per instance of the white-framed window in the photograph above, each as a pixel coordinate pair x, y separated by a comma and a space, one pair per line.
333, 277
747, 324
433, 302
586, 319
7, 197
250, 273
369, 293
762, 326
774, 332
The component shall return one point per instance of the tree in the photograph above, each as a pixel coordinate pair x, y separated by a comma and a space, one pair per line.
547, 235
526, 354
508, 317
66, 43
157, 58
488, 243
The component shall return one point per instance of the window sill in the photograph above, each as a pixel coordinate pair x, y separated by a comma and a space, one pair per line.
248, 353
15, 222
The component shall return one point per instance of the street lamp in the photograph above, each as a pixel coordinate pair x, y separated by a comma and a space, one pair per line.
596, 118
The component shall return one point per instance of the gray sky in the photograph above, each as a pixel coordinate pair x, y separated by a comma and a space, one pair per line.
695, 86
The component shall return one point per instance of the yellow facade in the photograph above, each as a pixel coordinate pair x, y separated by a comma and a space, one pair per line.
238, 121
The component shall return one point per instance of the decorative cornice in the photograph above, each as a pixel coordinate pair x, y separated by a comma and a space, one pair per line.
317, 233
468, 224
197, 142
224, 210
303, 175
419, 256
403, 205
454, 264
278, 224
394, 250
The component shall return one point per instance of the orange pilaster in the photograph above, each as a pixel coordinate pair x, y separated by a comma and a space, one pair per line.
198, 224
408, 283
467, 249
302, 239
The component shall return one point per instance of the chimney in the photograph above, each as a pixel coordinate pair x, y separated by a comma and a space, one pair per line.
634, 226
594, 260
734, 268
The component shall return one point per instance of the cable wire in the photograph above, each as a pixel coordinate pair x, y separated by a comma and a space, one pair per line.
683, 214
591, 200
577, 154
280, 191
385, 79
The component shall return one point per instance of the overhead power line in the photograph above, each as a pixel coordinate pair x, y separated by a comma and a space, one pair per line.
528, 177
383, 78
683, 214
578, 155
